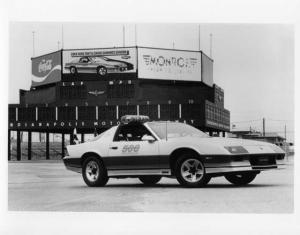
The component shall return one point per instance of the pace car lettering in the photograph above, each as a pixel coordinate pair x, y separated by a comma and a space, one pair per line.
131, 148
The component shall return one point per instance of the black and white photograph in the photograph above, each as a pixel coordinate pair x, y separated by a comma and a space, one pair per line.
195, 120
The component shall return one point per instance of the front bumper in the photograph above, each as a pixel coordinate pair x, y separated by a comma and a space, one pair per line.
73, 164
254, 162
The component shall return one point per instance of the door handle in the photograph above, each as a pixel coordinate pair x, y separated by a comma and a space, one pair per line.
114, 147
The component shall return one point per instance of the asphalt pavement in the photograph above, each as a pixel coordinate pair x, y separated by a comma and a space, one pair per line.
48, 186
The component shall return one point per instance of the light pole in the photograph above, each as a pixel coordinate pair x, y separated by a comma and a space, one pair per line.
211, 42
33, 48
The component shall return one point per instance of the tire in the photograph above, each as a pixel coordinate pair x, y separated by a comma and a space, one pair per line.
150, 179
241, 178
93, 172
190, 171
73, 70
102, 71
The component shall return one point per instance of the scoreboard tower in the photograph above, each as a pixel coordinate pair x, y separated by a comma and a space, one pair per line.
91, 89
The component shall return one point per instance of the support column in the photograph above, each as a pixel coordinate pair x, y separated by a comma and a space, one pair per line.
210, 133
82, 137
223, 133
62, 145
18, 146
29, 145
47, 146
9, 145
71, 139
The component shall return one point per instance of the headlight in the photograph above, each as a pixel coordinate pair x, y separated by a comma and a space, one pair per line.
277, 149
236, 149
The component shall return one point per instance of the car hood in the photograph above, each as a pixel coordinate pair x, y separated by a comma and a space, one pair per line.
237, 142
251, 146
221, 145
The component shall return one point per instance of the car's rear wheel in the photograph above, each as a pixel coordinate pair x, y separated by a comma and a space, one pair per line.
73, 70
190, 171
102, 71
150, 179
93, 172
241, 178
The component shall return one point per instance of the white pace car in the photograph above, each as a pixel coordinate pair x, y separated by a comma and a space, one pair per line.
152, 150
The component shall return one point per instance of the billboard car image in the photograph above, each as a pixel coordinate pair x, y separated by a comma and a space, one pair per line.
99, 61
100, 65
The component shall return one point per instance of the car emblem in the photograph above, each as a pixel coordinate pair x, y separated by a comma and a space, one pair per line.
96, 92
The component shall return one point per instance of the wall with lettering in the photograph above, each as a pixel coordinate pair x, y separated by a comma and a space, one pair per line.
169, 64
46, 69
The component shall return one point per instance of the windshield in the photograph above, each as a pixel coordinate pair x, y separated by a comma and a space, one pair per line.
175, 130
100, 58
107, 132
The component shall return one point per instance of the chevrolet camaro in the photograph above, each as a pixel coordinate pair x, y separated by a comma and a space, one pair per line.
100, 65
150, 150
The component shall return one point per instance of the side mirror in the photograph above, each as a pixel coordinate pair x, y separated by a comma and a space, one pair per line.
148, 138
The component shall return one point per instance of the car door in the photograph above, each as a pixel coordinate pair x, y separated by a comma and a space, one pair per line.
128, 151
85, 65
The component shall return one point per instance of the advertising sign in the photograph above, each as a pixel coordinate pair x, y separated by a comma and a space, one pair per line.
207, 70
46, 69
169, 64
99, 61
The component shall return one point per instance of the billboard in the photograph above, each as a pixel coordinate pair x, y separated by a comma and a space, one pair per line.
207, 70
46, 69
169, 64
99, 61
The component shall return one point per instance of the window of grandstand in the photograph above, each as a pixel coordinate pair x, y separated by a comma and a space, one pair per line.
86, 113
150, 110
107, 112
73, 92
120, 91
46, 113
26, 114
66, 113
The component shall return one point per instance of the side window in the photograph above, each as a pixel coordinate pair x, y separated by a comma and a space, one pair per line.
83, 60
131, 132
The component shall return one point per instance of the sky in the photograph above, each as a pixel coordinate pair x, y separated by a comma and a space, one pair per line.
253, 63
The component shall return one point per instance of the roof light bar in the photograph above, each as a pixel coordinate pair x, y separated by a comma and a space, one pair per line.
134, 118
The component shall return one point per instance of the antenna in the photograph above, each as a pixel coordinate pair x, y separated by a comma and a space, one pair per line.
135, 34
199, 38
173, 45
211, 41
58, 42
33, 48
264, 126
166, 130
62, 36
123, 35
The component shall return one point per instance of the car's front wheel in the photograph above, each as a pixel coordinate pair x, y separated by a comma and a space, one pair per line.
190, 171
102, 71
93, 172
73, 70
150, 180
241, 178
